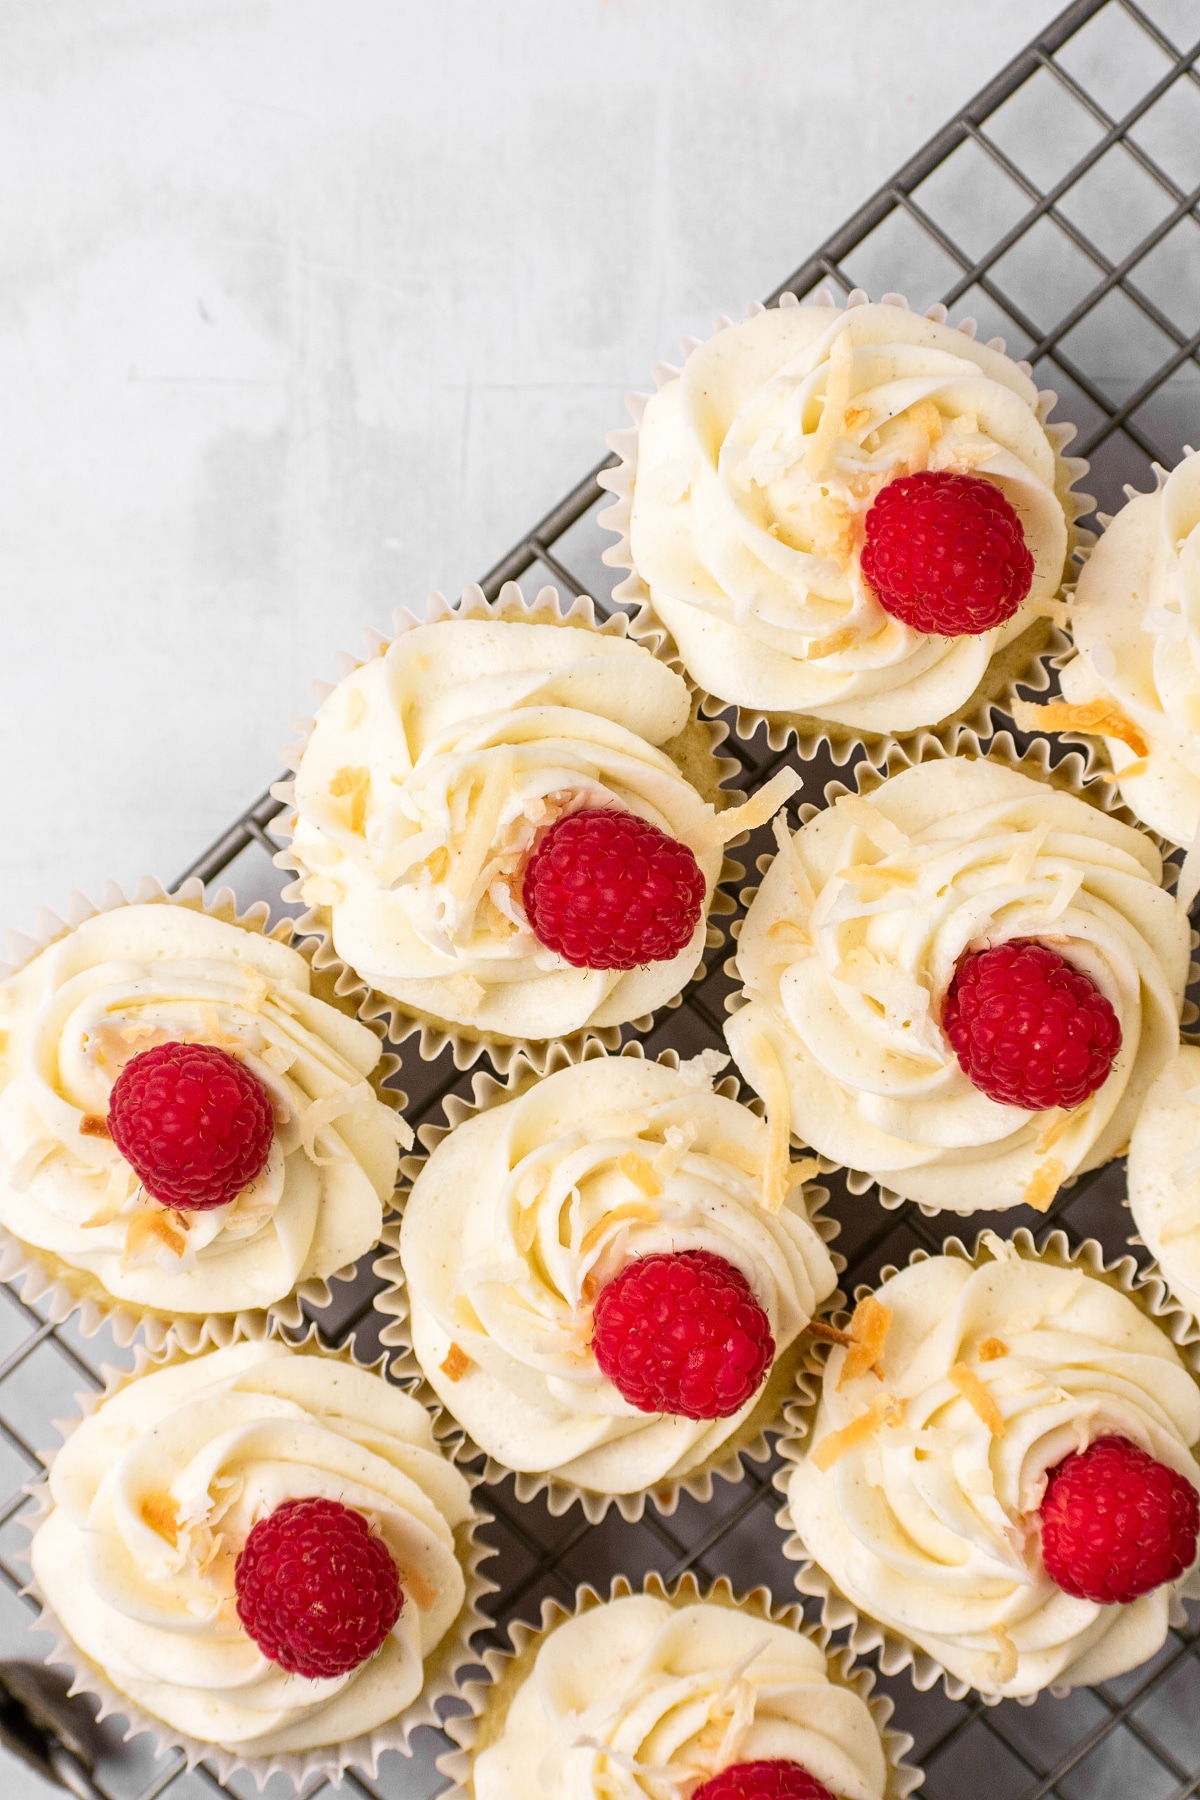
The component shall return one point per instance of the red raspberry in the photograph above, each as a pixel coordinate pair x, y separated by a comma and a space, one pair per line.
682, 1333
316, 1590
774, 1780
1028, 1027
194, 1122
1116, 1523
608, 890
945, 553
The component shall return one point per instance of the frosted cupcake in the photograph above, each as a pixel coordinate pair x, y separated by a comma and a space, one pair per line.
507, 824
962, 984
1164, 1175
708, 1697
608, 1277
1010, 1488
202, 1519
1136, 678
189, 1135
859, 518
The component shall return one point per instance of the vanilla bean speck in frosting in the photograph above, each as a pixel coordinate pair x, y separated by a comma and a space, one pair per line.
641, 1696
755, 469
523, 1213
430, 775
851, 943
1136, 679
918, 1495
1164, 1175
154, 1494
123, 981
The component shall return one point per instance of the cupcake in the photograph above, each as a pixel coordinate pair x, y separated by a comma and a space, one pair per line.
1009, 1488
674, 1693
607, 1278
260, 1549
506, 822
278, 1177
1135, 680
858, 518
1164, 1175
961, 983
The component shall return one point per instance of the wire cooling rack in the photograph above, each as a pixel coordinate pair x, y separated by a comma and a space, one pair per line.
1060, 209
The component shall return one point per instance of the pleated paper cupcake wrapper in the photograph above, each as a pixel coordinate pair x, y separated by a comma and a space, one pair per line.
444, 1666
865, 1635
490, 1701
789, 1380
59, 1288
1022, 662
695, 752
1075, 771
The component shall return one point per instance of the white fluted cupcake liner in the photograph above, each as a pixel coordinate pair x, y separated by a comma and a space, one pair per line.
866, 1635
1022, 663
508, 1669
787, 1382
62, 1290
1076, 772
696, 753
443, 1667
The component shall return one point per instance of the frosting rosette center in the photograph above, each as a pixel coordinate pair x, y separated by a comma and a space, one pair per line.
155, 1494
851, 944
524, 1212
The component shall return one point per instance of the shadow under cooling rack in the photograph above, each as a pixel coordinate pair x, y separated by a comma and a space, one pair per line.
1059, 209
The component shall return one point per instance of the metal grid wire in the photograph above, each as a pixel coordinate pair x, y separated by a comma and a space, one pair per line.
1061, 209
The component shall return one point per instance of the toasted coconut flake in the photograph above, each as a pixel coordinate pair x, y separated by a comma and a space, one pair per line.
149, 1230
634, 1212
978, 1398
927, 419
822, 447
788, 930
635, 1168
94, 1125
158, 1510
837, 641
455, 1367
992, 1349
750, 814
880, 831
1100, 718
777, 1170
1044, 1183
804, 1169
1003, 1665
868, 1334
1055, 1126
353, 785
828, 1334
834, 1445
889, 874
1137, 767
727, 1150
412, 1581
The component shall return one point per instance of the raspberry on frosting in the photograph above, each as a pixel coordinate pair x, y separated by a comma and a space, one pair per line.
682, 1333
1116, 1524
946, 553
609, 890
772, 1779
193, 1122
1029, 1028
317, 1590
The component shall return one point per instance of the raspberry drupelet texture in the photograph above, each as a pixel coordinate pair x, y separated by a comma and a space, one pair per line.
1030, 1029
682, 1333
193, 1122
946, 553
316, 1589
776, 1779
1116, 1523
608, 890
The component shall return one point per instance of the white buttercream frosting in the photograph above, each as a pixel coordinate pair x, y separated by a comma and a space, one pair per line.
851, 943
429, 774
155, 1493
523, 1213
1136, 625
1164, 1175
142, 975
640, 1697
755, 469
929, 1525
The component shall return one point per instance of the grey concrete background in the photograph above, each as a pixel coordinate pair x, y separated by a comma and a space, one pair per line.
310, 305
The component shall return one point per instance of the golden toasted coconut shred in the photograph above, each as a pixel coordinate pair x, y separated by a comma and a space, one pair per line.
1102, 718
834, 1445
977, 1398
868, 1333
